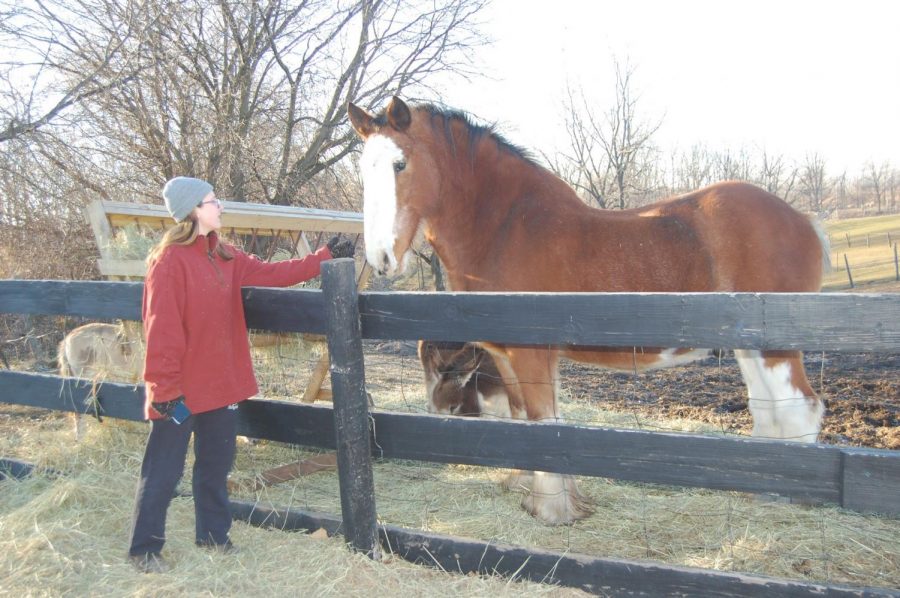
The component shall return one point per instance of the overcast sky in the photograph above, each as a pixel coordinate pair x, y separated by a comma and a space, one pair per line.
789, 76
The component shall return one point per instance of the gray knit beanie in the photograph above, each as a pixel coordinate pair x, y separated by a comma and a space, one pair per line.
183, 194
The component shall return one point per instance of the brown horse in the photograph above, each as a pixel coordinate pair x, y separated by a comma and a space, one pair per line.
501, 222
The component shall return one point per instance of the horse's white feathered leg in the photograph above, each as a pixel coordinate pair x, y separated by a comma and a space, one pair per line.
556, 499
781, 402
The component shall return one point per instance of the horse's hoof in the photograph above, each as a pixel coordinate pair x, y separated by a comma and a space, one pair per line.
562, 509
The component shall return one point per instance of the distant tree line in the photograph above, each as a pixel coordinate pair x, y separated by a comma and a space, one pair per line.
612, 161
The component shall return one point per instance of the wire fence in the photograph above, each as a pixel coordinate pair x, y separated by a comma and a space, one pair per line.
862, 268
705, 528
841, 241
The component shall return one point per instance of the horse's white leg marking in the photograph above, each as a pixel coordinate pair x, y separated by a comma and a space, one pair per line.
671, 358
517, 479
556, 499
380, 201
431, 382
553, 498
779, 409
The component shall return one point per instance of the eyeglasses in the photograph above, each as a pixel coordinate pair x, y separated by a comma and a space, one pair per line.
218, 202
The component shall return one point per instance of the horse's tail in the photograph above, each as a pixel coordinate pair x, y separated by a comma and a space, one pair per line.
823, 242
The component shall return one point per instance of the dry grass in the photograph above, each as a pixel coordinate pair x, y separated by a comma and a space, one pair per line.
67, 535
870, 256
859, 227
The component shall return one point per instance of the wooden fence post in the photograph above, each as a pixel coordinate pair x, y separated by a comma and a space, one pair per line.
896, 264
849, 275
351, 406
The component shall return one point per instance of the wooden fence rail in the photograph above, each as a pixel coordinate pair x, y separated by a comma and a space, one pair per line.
840, 322
860, 479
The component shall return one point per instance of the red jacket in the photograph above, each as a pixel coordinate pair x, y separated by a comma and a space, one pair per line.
194, 324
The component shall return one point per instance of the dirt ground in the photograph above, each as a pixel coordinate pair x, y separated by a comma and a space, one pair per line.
861, 393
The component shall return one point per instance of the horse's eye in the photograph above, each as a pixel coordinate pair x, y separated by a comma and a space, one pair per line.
399, 165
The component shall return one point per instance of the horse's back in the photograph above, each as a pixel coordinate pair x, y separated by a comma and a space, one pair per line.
755, 240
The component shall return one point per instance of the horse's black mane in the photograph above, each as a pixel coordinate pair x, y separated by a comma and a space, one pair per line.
445, 117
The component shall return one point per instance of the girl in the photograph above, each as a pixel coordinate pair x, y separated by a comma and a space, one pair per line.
198, 358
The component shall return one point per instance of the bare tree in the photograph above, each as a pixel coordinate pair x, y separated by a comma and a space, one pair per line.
878, 179
813, 182
693, 169
626, 139
841, 191
609, 151
248, 95
40, 80
584, 166
776, 176
732, 165
108, 98
892, 183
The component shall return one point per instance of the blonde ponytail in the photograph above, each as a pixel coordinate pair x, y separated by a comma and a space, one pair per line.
183, 233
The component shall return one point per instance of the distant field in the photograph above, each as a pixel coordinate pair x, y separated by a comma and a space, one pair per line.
869, 246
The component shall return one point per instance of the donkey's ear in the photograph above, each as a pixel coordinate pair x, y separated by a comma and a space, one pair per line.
464, 365
429, 355
398, 114
467, 360
363, 122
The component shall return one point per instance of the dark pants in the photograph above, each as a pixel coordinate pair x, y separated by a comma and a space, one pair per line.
163, 465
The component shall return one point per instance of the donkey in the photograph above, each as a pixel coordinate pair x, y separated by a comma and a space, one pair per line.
462, 379
100, 352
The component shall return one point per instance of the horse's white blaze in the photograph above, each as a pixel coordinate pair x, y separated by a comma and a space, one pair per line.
380, 201
779, 409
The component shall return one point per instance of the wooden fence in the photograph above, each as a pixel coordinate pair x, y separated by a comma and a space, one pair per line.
872, 270
861, 479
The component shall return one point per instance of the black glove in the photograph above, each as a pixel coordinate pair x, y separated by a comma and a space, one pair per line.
341, 248
165, 408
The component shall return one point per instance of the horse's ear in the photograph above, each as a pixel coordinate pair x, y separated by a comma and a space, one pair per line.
398, 114
363, 122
